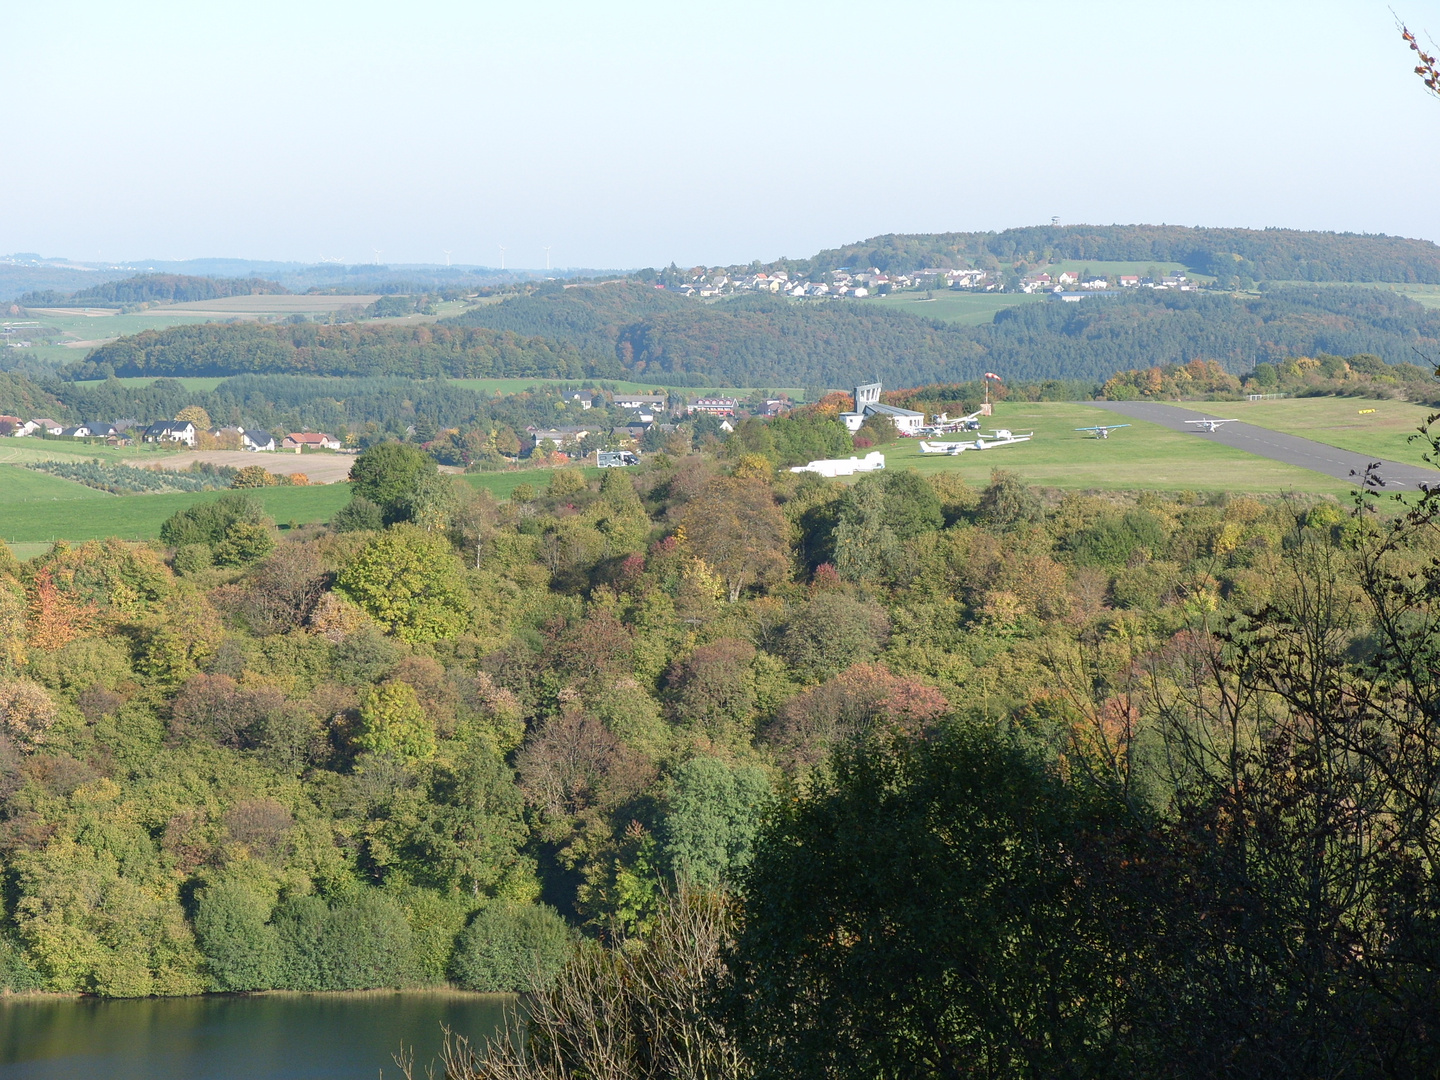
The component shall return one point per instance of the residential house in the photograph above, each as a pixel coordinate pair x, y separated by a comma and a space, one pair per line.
559, 437
655, 402
584, 398
310, 440
89, 431
255, 439
1129, 281
716, 406
180, 431
1066, 277
41, 426
9, 425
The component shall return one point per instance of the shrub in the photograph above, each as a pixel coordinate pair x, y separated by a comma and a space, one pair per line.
358, 515
206, 522
244, 543
192, 559
362, 943
254, 476
242, 952
510, 948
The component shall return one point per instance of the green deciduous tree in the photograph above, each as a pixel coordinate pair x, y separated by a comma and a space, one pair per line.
712, 813
388, 473
410, 582
394, 725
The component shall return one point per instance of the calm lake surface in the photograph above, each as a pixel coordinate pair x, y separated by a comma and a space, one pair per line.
265, 1037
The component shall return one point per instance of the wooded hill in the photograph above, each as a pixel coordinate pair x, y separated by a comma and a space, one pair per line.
759, 340
156, 289
1260, 254
625, 329
352, 349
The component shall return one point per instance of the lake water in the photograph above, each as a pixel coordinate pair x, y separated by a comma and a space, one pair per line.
261, 1037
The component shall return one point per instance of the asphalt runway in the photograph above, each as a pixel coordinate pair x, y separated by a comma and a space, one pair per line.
1291, 449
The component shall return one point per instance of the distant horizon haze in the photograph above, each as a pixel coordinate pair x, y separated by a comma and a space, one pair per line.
640, 134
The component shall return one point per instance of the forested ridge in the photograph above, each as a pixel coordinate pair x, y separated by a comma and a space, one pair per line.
715, 710
591, 317
759, 340
1260, 254
627, 330
425, 351
155, 289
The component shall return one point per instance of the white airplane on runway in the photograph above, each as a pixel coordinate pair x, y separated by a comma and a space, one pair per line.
1212, 425
1002, 437
1102, 431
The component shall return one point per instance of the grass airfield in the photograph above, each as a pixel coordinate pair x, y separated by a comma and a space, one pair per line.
1139, 457
36, 508
1366, 426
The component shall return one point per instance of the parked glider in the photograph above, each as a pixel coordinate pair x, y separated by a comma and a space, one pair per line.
1102, 431
1212, 425
1000, 437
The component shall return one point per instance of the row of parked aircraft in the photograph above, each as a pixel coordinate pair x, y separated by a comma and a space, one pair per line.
999, 437
1005, 437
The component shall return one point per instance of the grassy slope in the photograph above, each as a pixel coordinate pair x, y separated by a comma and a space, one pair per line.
14, 451
961, 308
502, 485
35, 508
1143, 456
1343, 422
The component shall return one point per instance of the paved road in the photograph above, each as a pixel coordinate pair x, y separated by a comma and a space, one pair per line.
1291, 449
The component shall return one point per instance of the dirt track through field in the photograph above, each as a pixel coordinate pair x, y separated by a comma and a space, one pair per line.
1291, 449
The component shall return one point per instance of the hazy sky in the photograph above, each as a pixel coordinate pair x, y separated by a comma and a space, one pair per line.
631, 134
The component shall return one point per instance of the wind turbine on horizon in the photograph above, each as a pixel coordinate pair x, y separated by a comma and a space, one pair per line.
447, 258
377, 256
547, 256
502, 256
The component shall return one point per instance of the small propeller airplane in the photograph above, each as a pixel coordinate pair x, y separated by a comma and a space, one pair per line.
1002, 437
1212, 425
1102, 431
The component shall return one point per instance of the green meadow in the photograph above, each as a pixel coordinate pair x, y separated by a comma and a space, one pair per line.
36, 509
39, 509
961, 308
1140, 457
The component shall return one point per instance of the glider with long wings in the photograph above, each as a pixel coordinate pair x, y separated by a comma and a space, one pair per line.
1000, 437
1209, 424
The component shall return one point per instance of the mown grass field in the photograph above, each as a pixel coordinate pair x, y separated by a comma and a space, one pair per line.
1381, 428
39, 509
961, 308
20, 451
36, 509
1140, 457
502, 485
